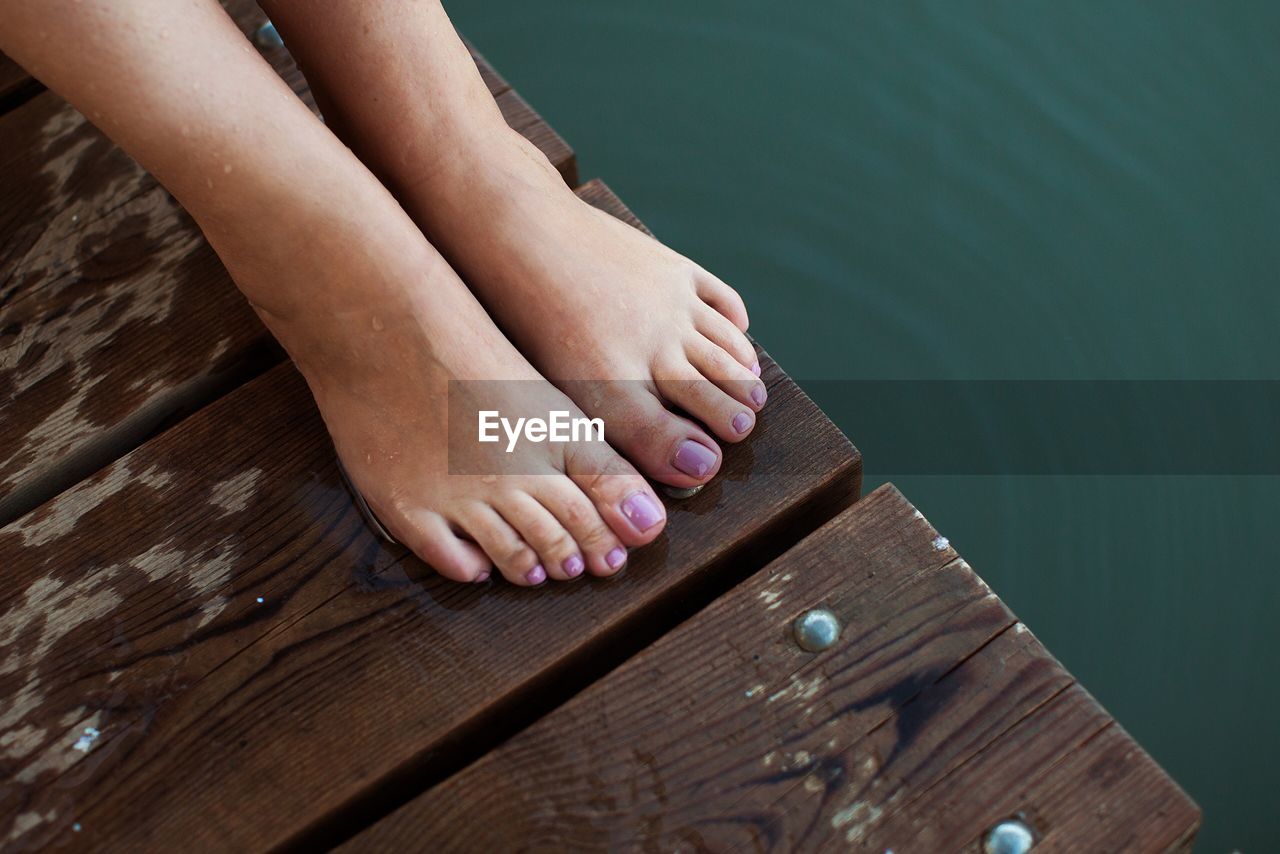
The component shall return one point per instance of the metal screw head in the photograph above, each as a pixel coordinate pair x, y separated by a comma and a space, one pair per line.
1009, 837
267, 38
817, 630
678, 492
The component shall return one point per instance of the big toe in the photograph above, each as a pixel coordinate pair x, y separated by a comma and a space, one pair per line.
624, 500
661, 444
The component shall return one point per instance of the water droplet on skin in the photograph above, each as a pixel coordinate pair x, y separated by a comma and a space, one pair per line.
209, 182
377, 323
226, 169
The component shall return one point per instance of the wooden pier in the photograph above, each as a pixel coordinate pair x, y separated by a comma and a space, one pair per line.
203, 647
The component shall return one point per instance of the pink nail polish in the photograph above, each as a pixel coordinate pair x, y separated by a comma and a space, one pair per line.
482, 577
694, 458
758, 395
537, 575
642, 511
742, 422
755, 369
616, 558
573, 566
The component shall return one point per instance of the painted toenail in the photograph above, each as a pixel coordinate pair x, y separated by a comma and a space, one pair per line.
484, 576
742, 422
537, 575
755, 369
694, 458
642, 511
616, 558
573, 566
758, 395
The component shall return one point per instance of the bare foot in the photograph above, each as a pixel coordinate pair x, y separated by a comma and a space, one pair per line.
635, 333
396, 350
390, 341
642, 332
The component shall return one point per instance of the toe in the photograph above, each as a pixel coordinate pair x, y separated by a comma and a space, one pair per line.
513, 557
601, 550
621, 496
682, 384
719, 330
729, 375
666, 447
429, 537
557, 550
723, 299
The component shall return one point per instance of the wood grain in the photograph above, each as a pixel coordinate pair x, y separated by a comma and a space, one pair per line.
116, 318
131, 607
935, 716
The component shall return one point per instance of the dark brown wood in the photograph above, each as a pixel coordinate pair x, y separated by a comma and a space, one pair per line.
16, 86
936, 715
115, 316
130, 606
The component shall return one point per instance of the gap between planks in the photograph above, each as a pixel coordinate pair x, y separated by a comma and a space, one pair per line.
802, 470
936, 715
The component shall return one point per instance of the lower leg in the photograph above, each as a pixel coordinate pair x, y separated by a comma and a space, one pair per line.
376, 320
646, 331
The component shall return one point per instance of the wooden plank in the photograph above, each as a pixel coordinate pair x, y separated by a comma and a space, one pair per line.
16, 86
934, 717
132, 607
116, 319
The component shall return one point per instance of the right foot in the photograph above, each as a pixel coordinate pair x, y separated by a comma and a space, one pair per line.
379, 325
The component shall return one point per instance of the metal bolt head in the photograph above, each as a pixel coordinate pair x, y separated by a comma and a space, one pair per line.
267, 38
817, 630
1009, 837
679, 493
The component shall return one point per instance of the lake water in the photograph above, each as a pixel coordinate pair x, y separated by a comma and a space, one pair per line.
991, 191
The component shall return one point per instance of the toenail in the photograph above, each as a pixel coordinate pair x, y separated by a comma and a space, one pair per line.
573, 566
484, 576
616, 558
742, 422
642, 511
758, 395
694, 458
755, 369
537, 575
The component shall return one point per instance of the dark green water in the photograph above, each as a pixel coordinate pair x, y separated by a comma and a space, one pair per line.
1017, 190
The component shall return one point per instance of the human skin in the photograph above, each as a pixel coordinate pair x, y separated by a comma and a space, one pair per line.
374, 317
634, 332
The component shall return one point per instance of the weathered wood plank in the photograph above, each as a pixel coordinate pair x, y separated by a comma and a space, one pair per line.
131, 607
934, 717
115, 316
